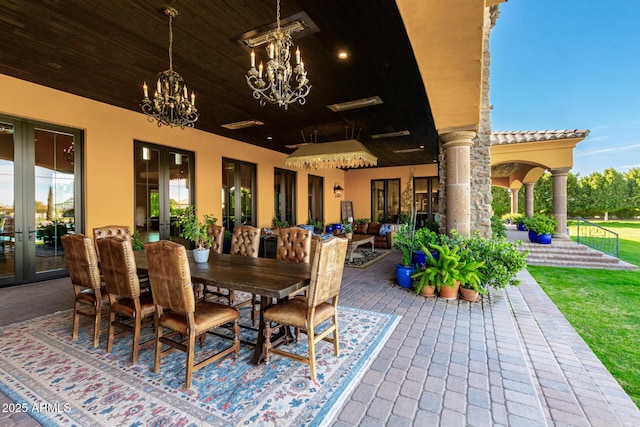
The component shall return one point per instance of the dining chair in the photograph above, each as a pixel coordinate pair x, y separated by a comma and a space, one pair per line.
294, 244
123, 232
217, 236
123, 287
172, 290
245, 241
90, 298
306, 313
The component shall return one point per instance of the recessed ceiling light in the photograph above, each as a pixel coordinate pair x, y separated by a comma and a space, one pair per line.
242, 125
343, 55
358, 103
269, 138
391, 134
408, 150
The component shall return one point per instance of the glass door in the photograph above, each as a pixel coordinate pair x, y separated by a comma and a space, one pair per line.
38, 169
238, 188
163, 187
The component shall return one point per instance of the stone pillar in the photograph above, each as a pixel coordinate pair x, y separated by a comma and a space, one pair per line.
457, 146
559, 177
528, 199
514, 200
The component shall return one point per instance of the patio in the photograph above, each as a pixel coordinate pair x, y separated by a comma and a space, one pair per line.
510, 360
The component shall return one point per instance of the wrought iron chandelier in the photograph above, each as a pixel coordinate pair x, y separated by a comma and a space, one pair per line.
170, 105
277, 89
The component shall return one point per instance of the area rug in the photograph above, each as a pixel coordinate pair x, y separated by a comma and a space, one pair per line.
69, 383
363, 258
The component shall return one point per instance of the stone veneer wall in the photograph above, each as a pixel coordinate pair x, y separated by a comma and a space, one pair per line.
480, 185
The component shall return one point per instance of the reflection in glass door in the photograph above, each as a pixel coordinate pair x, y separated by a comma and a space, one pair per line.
163, 187
37, 200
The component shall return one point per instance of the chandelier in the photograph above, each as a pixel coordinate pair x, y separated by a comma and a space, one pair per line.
69, 153
277, 88
170, 105
345, 154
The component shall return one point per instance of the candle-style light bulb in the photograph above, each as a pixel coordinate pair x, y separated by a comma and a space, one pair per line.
260, 70
297, 55
185, 92
145, 89
253, 59
271, 48
159, 87
193, 99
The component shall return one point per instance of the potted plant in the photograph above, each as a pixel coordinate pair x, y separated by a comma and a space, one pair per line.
195, 231
348, 231
502, 259
423, 238
519, 220
543, 226
404, 242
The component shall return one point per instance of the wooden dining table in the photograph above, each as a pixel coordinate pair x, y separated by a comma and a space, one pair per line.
270, 278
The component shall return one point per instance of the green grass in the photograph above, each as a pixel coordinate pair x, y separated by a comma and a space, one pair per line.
604, 307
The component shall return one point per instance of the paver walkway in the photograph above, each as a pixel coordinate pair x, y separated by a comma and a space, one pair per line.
510, 360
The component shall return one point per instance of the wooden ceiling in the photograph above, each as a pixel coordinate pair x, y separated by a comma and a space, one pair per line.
104, 50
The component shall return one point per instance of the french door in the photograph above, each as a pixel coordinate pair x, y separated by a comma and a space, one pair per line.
40, 198
238, 191
163, 187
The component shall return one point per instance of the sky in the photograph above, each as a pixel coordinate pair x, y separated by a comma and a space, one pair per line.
571, 64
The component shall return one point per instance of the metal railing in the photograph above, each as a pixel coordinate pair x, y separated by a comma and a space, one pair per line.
597, 237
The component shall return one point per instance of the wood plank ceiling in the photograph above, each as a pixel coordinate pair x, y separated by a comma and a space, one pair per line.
104, 50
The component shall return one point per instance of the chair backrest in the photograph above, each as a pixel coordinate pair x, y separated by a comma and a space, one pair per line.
294, 244
326, 270
119, 267
217, 235
81, 260
170, 276
9, 225
245, 241
122, 231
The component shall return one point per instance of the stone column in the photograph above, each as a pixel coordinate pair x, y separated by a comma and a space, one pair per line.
528, 199
457, 146
514, 200
559, 177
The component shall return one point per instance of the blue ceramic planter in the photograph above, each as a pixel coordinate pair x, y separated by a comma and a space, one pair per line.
544, 239
521, 227
533, 236
403, 275
419, 258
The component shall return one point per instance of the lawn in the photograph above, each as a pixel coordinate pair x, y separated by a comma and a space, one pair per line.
604, 307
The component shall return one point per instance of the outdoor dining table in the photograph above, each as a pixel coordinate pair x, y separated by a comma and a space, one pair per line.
270, 278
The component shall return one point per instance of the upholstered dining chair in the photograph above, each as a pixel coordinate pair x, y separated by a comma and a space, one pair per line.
123, 287
245, 241
294, 244
90, 298
212, 293
306, 313
171, 287
217, 236
123, 232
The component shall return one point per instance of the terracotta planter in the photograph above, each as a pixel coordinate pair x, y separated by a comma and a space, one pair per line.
428, 291
449, 293
469, 295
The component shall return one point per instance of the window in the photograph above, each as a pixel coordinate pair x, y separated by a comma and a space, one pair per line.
284, 195
385, 200
426, 194
238, 189
316, 198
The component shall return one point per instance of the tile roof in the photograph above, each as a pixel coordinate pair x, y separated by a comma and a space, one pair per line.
514, 137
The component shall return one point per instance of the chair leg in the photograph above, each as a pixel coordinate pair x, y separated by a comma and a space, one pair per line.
136, 338
96, 324
267, 341
112, 318
190, 356
336, 340
312, 352
255, 314
236, 339
76, 321
158, 356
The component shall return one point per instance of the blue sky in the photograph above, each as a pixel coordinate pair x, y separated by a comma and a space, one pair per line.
571, 64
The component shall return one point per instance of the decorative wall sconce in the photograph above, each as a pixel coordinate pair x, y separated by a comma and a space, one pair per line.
337, 190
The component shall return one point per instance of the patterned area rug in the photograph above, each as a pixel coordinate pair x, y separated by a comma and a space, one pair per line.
64, 382
363, 258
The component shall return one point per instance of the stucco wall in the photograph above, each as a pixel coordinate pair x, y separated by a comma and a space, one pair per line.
109, 134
